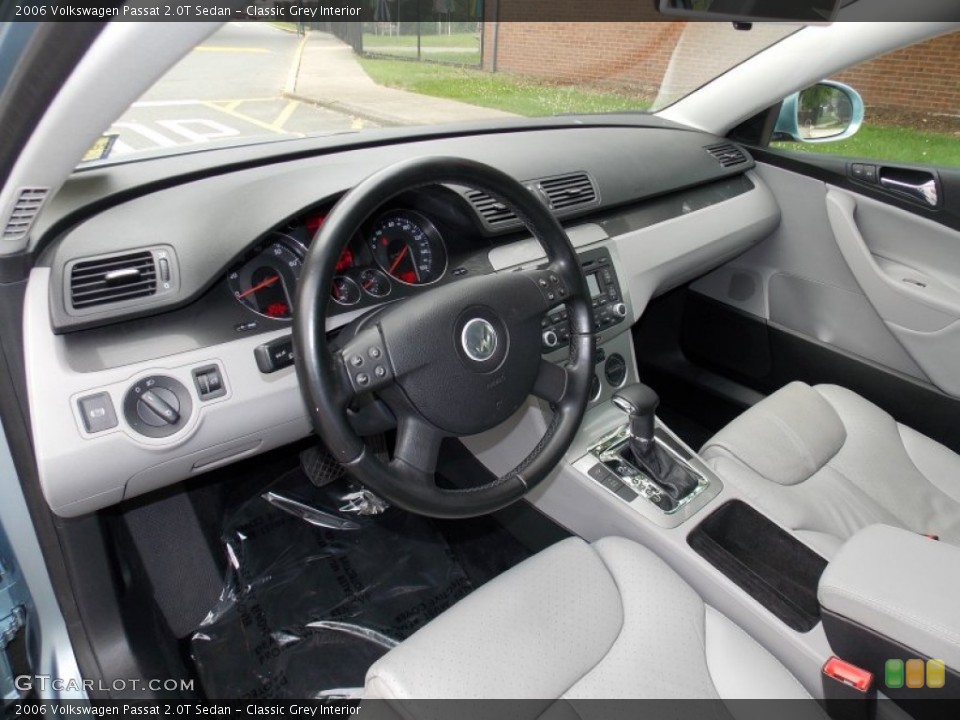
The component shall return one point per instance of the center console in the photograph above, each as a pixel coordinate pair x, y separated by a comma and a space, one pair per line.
646, 466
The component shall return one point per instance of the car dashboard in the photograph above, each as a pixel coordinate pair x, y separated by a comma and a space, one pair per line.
158, 319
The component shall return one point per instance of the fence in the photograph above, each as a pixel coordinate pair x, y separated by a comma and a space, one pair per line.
448, 31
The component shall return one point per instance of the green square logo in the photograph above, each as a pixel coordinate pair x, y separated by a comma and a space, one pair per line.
893, 673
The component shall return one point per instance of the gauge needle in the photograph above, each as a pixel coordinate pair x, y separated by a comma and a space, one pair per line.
259, 286
399, 258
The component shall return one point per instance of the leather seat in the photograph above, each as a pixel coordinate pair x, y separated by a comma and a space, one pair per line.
578, 621
824, 463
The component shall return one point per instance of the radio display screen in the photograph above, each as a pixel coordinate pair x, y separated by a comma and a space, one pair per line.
594, 286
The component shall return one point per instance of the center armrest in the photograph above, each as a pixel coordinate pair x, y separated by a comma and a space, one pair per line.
890, 591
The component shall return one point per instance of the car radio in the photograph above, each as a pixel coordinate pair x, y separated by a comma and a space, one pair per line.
608, 306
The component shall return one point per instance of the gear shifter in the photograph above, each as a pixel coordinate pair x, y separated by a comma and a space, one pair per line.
640, 403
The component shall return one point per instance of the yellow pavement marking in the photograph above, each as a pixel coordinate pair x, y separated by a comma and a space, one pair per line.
219, 49
357, 124
232, 105
245, 118
285, 114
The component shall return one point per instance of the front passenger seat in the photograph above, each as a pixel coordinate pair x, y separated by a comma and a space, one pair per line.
579, 621
823, 462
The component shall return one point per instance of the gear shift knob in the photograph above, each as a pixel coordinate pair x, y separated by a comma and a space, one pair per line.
640, 402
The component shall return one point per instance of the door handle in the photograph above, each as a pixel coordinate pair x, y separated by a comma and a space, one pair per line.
923, 191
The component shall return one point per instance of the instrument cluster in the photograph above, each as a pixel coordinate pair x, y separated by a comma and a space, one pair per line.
401, 248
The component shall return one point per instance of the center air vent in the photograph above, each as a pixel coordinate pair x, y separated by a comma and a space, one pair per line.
494, 213
727, 154
563, 194
112, 279
566, 192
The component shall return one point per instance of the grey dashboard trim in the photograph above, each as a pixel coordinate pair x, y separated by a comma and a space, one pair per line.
209, 221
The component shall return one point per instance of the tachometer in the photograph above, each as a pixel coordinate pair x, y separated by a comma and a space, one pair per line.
409, 248
267, 280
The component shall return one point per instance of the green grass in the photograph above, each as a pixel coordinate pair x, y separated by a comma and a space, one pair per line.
891, 144
523, 96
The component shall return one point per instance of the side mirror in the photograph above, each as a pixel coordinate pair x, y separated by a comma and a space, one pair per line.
826, 112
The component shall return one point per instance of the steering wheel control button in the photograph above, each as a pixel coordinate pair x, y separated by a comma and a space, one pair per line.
380, 372
209, 383
274, 355
479, 340
375, 353
97, 413
550, 339
157, 406
363, 379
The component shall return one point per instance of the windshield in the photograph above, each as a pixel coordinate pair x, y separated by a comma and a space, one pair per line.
262, 81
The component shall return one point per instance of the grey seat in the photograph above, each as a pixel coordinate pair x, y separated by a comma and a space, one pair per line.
579, 621
824, 462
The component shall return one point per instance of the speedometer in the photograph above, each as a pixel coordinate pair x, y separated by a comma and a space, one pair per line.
409, 248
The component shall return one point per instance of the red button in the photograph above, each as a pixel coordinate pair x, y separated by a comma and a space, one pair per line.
848, 674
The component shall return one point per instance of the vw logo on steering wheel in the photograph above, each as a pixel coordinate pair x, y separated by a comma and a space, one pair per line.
479, 340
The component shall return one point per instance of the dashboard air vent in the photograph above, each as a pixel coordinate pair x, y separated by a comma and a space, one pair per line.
727, 154
113, 279
24, 212
493, 212
569, 191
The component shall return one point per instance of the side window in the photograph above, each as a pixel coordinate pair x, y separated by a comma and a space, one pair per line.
911, 109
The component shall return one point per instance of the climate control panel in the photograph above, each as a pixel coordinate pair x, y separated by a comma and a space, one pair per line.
605, 296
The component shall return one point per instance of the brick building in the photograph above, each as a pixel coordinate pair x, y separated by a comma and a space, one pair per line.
635, 55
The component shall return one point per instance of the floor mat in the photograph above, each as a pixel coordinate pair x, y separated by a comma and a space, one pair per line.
315, 594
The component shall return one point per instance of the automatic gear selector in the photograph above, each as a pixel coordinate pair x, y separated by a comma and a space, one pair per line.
642, 451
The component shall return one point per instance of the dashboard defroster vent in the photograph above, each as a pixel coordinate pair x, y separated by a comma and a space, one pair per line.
25, 211
727, 154
566, 192
113, 279
493, 212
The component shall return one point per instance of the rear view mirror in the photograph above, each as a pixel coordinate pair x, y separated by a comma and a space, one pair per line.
826, 112
800, 11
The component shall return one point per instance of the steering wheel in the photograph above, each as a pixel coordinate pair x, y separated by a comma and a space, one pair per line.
455, 360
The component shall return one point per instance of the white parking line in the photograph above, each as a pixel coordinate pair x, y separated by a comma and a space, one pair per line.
150, 134
214, 129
